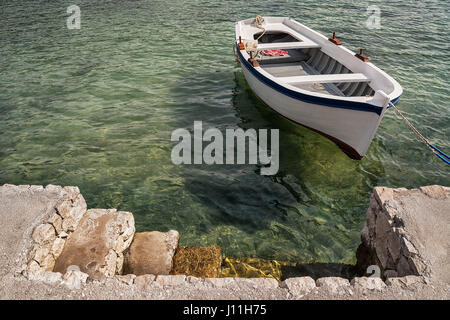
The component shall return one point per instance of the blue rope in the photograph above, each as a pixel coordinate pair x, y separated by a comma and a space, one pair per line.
440, 152
442, 158
435, 150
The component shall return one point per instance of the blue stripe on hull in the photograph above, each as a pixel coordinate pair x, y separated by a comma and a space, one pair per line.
309, 98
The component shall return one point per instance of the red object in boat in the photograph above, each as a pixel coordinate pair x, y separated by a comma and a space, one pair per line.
274, 53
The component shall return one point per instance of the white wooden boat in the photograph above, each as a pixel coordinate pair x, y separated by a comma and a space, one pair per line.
318, 84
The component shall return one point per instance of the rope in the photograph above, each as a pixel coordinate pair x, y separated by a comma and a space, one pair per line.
258, 23
234, 50
434, 149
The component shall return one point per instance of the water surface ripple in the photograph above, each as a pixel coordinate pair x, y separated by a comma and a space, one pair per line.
95, 108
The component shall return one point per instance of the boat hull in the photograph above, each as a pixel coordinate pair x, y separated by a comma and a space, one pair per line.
351, 129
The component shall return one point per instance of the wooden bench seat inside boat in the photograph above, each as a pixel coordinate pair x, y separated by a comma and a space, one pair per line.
288, 45
312, 70
292, 56
326, 78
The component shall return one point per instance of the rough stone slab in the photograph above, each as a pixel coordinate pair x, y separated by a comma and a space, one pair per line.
335, 285
435, 192
256, 283
151, 253
97, 245
299, 286
170, 280
201, 262
407, 233
230, 283
405, 282
74, 278
128, 279
383, 194
191, 279
368, 283
45, 276
221, 282
144, 281
18, 287
49, 237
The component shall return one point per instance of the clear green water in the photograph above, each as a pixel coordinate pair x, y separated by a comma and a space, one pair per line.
95, 108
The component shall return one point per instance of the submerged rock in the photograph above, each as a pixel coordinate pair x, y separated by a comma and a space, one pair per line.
151, 253
253, 268
202, 262
282, 270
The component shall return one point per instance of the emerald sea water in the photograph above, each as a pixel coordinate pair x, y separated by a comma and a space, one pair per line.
96, 107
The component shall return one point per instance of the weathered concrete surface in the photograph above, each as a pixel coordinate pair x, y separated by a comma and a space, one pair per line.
365, 283
151, 253
299, 286
24, 208
407, 232
335, 285
18, 287
97, 245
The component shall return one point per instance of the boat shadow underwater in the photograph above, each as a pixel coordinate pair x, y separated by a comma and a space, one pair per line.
312, 210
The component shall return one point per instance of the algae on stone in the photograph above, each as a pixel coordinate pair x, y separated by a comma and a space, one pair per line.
253, 268
202, 262
282, 270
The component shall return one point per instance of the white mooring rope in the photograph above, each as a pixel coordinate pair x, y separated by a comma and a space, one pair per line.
434, 149
258, 22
